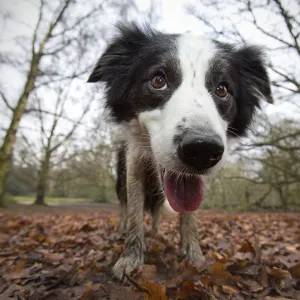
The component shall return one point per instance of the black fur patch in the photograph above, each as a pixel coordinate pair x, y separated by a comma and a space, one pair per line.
127, 66
245, 73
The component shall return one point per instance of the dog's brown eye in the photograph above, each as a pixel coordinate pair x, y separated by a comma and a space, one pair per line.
221, 90
159, 82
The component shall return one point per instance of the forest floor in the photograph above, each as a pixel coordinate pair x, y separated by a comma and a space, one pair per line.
66, 252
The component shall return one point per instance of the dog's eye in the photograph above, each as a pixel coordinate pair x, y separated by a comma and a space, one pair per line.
221, 90
159, 81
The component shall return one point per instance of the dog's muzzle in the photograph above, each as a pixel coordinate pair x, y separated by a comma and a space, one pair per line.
199, 153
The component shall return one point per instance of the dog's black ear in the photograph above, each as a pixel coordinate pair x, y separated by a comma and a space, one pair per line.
253, 85
119, 56
252, 69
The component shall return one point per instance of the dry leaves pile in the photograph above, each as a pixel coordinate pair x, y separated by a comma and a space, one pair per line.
69, 255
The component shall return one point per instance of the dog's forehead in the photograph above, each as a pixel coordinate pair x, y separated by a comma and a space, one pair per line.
195, 54
187, 54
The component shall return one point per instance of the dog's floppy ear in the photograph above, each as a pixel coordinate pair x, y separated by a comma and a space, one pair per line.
252, 69
111, 62
253, 85
117, 65
120, 54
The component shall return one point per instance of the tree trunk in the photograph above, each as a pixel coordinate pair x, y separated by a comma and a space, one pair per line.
4, 169
6, 149
42, 181
283, 199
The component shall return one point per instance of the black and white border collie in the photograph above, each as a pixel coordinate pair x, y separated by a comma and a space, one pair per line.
179, 100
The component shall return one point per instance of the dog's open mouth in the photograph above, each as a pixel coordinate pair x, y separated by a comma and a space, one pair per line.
185, 192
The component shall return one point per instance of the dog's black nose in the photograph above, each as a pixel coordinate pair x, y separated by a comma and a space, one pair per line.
199, 151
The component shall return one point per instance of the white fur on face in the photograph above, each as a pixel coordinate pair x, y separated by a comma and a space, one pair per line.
191, 105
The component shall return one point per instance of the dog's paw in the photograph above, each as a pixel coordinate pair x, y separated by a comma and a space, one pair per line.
127, 263
192, 252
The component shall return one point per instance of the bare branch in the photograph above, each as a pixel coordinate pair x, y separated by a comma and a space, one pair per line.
59, 48
52, 26
263, 197
262, 182
289, 25
70, 133
287, 78
6, 101
191, 11
276, 140
37, 27
30, 146
282, 86
254, 20
65, 77
41, 117
38, 110
236, 31
81, 20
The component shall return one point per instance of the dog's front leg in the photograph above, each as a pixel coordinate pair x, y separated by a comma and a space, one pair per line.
122, 218
190, 247
157, 213
133, 254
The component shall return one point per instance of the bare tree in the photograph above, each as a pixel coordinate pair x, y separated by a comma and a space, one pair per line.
278, 164
52, 139
94, 166
58, 50
45, 43
82, 166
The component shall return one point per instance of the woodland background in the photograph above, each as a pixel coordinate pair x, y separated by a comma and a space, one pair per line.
55, 142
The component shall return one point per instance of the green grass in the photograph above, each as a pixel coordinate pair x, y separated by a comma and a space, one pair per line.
48, 200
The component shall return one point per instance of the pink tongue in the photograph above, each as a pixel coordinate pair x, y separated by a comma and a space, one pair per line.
184, 193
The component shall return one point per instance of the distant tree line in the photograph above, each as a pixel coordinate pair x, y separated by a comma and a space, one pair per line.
89, 174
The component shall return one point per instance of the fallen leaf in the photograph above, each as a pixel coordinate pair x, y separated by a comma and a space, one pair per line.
188, 290
4, 238
155, 291
229, 289
275, 298
295, 271
88, 295
251, 285
218, 269
146, 273
277, 272
246, 247
116, 292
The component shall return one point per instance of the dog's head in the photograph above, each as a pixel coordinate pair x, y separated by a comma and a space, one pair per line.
190, 94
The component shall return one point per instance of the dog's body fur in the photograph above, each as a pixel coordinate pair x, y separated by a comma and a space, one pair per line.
179, 99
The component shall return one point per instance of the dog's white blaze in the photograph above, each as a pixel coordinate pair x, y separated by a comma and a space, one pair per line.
191, 101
